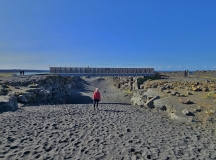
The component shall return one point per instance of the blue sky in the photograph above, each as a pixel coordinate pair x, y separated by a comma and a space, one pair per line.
165, 35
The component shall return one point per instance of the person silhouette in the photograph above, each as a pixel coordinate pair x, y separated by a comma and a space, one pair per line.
96, 98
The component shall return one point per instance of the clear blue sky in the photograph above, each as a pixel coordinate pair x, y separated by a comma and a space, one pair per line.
164, 34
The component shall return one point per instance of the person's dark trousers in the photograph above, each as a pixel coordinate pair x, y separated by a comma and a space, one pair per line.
96, 103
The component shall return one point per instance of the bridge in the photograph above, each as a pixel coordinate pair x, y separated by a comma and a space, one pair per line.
87, 71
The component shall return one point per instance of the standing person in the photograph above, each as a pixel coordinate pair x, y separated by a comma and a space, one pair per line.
96, 98
23, 72
20, 72
188, 73
185, 73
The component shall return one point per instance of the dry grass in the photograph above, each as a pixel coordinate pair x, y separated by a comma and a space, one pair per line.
163, 96
128, 91
6, 74
210, 95
208, 77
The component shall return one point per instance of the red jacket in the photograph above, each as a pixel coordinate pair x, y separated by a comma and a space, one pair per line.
96, 95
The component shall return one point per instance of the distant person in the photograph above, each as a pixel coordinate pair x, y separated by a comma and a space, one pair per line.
23, 72
188, 73
185, 73
96, 98
20, 72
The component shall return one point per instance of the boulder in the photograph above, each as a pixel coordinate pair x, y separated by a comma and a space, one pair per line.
33, 86
8, 103
150, 103
178, 95
135, 86
4, 86
154, 86
22, 99
162, 88
173, 93
138, 97
167, 91
30, 96
175, 116
168, 87
187, 88
69, 86
187, 113
138, 100
49, 88
196, 88
196, 82
212, 87
189, 93
46, 95
212, 111
3, 91
204, 89
35, 90
149, 98
43, 93
15, 93
160, 107
182, 95
197, 110
185, 100
142, 86
27, 95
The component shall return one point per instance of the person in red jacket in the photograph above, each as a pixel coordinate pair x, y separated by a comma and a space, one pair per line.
96, 97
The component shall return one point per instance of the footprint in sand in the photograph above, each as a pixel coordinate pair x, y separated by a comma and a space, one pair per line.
128, 130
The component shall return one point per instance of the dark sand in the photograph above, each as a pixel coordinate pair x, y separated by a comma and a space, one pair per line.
117, 131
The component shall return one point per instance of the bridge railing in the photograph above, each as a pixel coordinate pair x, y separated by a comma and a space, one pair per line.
99, 71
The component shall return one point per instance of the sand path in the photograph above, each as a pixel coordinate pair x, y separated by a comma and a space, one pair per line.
116, 131
109, 93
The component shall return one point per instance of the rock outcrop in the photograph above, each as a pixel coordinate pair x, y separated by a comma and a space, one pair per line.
36, 89
128, 83
8, 103
185, 101
139, 97
180, 99
150, 103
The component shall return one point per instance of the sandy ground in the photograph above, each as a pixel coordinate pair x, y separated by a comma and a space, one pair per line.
117, 131
109, 93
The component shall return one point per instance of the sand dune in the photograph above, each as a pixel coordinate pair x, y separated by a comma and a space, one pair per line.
116, 131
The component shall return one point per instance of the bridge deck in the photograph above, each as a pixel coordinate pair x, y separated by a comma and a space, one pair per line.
77, 71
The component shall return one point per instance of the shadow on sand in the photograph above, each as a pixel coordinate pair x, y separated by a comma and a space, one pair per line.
115, 103
78, 98
106, 110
